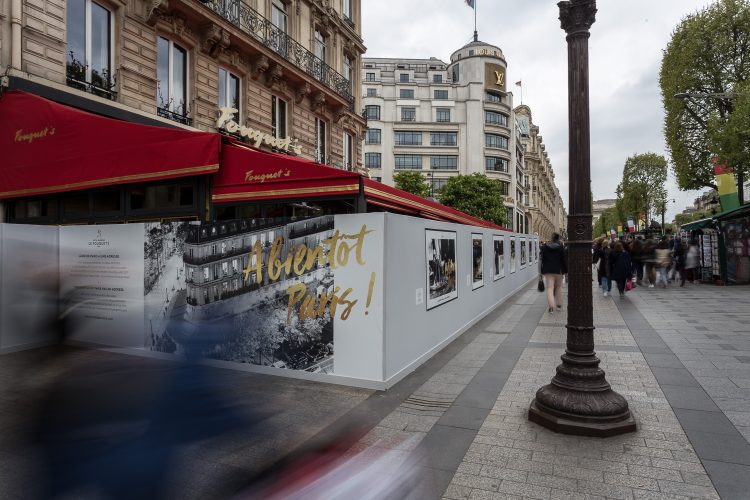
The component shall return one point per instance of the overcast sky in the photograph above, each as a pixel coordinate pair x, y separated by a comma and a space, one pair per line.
625, 51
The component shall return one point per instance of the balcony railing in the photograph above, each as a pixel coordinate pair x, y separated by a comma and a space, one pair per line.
265, 32
175, 117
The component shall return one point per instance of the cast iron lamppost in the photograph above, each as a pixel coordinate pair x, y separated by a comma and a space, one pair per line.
579, 400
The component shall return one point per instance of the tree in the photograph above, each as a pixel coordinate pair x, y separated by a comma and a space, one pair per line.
730, 138
412, 182
642, 187
707, 54
476, 195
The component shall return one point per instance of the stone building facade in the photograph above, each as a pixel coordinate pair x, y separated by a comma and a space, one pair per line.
545, 210
290, 67
446, 119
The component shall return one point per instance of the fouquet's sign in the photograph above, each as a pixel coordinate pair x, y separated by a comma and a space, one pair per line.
226, 121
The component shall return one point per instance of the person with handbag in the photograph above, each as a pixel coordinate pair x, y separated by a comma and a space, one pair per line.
553, 267
620, 267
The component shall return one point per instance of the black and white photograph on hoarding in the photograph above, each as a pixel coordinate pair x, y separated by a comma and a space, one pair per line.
441, 267
522, 245
498, 245
512, 254
215, 295
477, 261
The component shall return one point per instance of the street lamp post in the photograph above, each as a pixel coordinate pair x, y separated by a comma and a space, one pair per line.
579, 400
664, 209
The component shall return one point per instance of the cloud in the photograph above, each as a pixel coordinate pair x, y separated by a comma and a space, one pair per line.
625, 51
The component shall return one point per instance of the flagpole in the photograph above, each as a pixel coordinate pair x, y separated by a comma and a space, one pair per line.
476, 36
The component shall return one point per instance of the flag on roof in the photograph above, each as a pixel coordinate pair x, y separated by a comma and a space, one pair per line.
470, 3
518, 83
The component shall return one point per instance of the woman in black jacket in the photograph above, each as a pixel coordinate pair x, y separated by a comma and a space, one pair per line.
553, 266
620, 267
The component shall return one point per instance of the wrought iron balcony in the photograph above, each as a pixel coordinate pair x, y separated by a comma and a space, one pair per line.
265, 32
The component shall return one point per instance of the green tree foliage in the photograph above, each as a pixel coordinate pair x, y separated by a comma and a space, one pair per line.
476, 195
412, 182
642, 187
708, 53
730, 138
607, 220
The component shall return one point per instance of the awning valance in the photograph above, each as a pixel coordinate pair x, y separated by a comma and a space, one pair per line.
248, 175
46, 147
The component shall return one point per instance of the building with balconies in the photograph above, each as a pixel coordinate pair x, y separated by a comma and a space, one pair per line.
545, 205
445, 119
289, 69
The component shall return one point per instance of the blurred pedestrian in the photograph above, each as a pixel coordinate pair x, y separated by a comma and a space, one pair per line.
679, 258
553, 267
620, 267
603, 268
692, 261
662, 263
648, 256
636, 256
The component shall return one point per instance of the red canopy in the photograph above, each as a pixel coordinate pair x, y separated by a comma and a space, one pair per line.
248, 174
47, 147
380, 194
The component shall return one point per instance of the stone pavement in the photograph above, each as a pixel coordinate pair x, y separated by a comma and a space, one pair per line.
680, 356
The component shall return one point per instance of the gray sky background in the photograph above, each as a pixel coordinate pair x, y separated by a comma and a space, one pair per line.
625, 52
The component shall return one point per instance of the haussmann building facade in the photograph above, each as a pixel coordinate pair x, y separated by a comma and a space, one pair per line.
282, 71
446, 119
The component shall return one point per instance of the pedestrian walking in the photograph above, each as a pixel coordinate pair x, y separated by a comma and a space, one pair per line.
648, 256
620, 267
553, 266
692, 261
636, 250
603, 268
663, 260
679, 258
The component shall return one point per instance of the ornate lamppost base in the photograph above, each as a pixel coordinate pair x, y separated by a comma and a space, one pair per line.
616, 419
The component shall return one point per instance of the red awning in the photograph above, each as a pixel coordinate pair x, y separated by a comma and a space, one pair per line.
47, 147
380, 194
248, 174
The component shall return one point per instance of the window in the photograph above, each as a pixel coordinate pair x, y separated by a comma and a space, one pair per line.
407, 138
406, 93
171, 73
471, 52
372, 136
320, 45
372, 160
510, 215
443, 138
437, 78
348, 69
279, 15
408, 114
444, 162
348, 150
443, 114
229, 91
504, 190
408, 161
493, 97
320, 140
369, 77
495, 141
495, 164
89, 60
454, 73
347, 8
495, 118
278, 117
438, 185
403, 77
372, 92
372, 112
162, 196
441, 94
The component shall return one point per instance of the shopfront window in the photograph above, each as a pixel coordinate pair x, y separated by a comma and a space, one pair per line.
89, 51
163, 196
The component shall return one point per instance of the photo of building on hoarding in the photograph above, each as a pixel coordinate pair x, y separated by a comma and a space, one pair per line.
215, 292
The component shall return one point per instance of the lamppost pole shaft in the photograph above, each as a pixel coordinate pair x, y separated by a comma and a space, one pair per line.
579, 400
